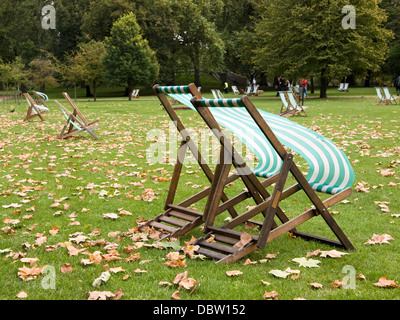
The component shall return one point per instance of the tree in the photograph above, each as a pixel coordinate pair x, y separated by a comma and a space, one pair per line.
42, 72
129, 60
299, 38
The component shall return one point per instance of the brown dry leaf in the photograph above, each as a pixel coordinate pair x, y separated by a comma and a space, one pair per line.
316, 285
386, 172
116, 270
22, 295
332, 253
385, 283
176, 295
54, 230
187, 283
74, 251
338, 284
100, 295
233, 273
245, 239
273, 295
248, 261
379, 239
27, 274
66, 268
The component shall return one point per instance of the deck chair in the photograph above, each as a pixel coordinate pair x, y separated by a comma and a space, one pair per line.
286, 108
34, 109
248, 90
217, 94
235, 90
381, 96
135, 93
297, 108
255, 89
179, 219
75, 121
388, 95
41, 98
341, 87
330, 172
346, 87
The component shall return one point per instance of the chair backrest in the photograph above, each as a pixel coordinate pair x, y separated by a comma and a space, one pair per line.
235, 89
329, 169
283, 98
248, 89
387, 93
255, 88
67, 115
32, 102
214, 93
379, 93
346, 86
293, 101
341, 86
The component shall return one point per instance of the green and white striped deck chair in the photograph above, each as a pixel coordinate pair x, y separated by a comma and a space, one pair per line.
34, 109
286, 108
41, 98
267, 134
75, 121
217, 94
388, 95
296, 107
382, 98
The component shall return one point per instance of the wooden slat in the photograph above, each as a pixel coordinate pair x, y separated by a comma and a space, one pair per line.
185, 210
162, 226
211, 254
175, 222
217, 246
181, 215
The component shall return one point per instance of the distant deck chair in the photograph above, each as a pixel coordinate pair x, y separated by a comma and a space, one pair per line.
296, 107
286, 108
135, 93
235, 90
341, 86
34, 109
248, 90
389, 96
41, 98
330, 172
381, 96
217, 94
179, 219
255, 89
75, 121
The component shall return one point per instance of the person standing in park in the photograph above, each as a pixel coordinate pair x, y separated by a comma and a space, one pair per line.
226, 87
397, 85
304, 84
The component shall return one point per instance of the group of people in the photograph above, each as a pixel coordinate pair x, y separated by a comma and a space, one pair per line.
285, 85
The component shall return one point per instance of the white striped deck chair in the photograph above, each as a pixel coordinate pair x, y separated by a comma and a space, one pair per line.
382, 98
34, 109
296, 107
286, 108
235, 90
267, 134
388, 95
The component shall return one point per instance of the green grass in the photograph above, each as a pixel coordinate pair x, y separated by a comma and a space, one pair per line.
31, 156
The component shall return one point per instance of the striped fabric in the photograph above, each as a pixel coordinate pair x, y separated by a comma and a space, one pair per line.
174, 90
293, 102
329, 169
38, 106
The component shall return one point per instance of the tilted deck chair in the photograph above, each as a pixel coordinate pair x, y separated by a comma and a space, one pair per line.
34, 109
388, 95
255, 89
75, 121
330, 172
179, 219
381, 96
217, 94
286, 108
248, 90
341, 87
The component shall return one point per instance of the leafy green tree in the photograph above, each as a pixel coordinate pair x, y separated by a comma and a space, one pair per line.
42, 72
129, 60
300, 38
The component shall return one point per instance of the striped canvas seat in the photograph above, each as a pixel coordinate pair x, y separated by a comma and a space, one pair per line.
329, 169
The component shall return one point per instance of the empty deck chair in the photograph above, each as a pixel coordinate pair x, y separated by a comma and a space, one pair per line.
341, 87
388, 95
217, 94
255, 89
286, 108
178, 219
34, 109
296, 107
75, 121
248, 90
41, 98
330, 172
235, 90
135, 93
381, 96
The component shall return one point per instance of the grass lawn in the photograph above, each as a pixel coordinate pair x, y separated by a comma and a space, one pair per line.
54, 196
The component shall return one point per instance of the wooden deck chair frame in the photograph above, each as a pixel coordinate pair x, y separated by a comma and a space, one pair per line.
235, 90
33, 109
135, 93
178, 219
389, 96
224, 246
40, 98
381, 96
76, 122
297, 108
286, 108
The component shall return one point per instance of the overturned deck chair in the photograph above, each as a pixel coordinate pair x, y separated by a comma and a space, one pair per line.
235, 90
178, 219
388, 95
330, 172
75, 121
135, 93
381, 96
34, 109
296, 108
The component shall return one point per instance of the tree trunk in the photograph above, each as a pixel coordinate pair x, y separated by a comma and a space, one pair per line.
94, 90
75, 90
88, 93
312, 85
323, 85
